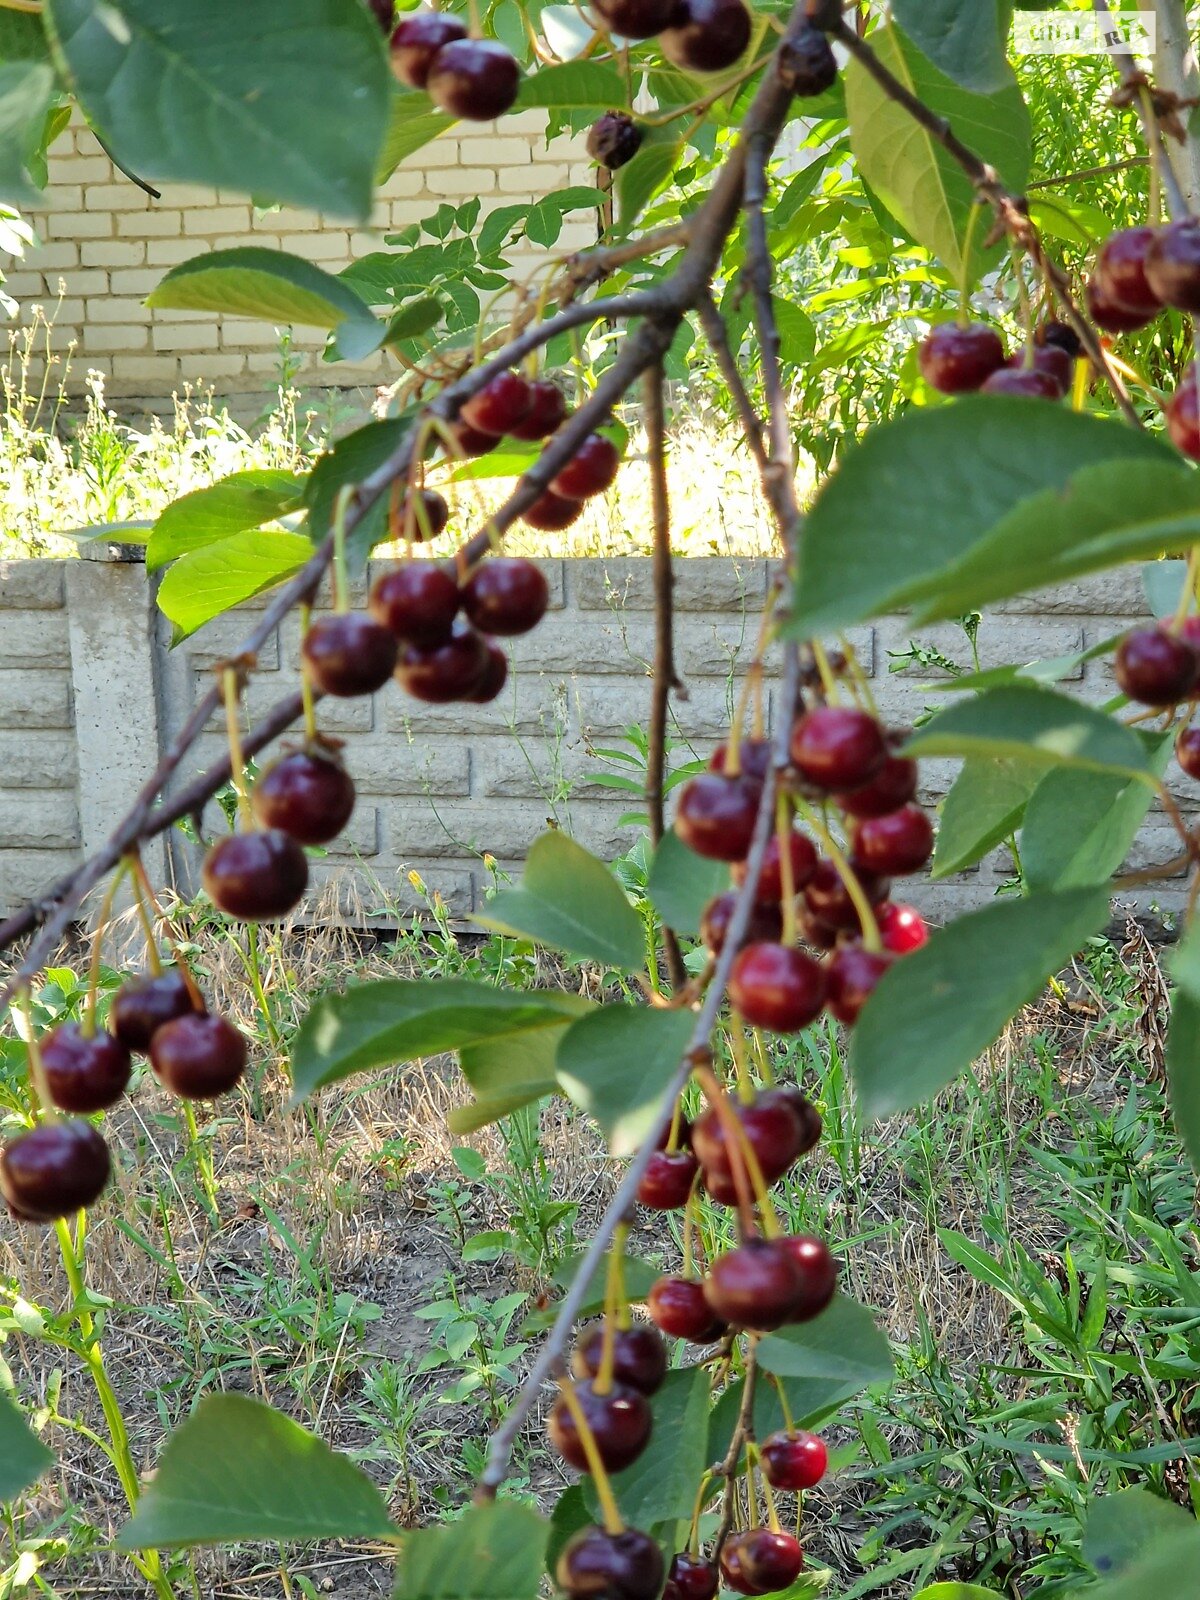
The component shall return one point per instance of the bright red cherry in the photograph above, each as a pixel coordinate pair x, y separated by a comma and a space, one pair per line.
620, 1421
450, 671
777, 987
54, 1170
1027, 383
838, 748
506, 595
493, 679
754, 1286
591, 470
678, 1306
794, 1461
898, 843
639, 1356
1155, 667
706, 35
902, 928
817, 1271
691, 1578
1120, 271
198, 1057
636, 19
1183, 415
853, 973
828, 899
473, 78
417, 39
143, 1005
893, 786
307, 795
550, 512
667, 1181
775, 1129
85, 1072
766, 922
348, 654
1172, 265
770, 881
256, 877
754, 758
760, 1561
715, 816
958, 360
500, 405
1187, 751
1106, 314
430, 515
596, 1565
547, 412
417, 602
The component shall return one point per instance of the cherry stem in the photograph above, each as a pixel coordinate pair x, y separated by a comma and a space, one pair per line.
772, 1510
676, 1123
341, 583
866, 914
737, 1043
702, 1497
103, 916
152, 955
743, 1161
964, 282
829, 684
231, 689
306, 690
787, 875
38, 1083
689, 1225
1188, 592
142, 877
613, 1521
857, 676
781, 1391
603, 1380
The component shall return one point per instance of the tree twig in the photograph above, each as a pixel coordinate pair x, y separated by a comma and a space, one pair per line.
718, 341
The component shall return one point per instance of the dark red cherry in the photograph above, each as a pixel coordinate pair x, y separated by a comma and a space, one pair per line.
893, 786
430, 514
761, 1561
450, 671
495, 676
596, 1565
794, 1461
143, 1005
706, 35
417, 39
473, 78
853, 973
256, 877
821, 935
902, 928
54, 1170
417, 602
473, 441
765, 925
504, 401
1106, 314
384, 12
817, 1271
806, 1114
636, 19
895, 844
198, 1057
691, 1578
808, 63
678, 1306
1120, 271
309, 796
667, 1181
1187, 751
620, 1421
639, 1356
1049, 359
773, 1128
837, 747
1063, 335
1156, 668
778, 987
85, 1072
957, 360
754, 758
829, 900
506, 595
613, 140
754, 1286
715, 816
348, 654
550, 512
1026, 383
547, 411
770, 881
591, 470
1183, 415
1172, 265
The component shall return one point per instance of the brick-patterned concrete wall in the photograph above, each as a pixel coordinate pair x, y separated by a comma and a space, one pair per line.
89, 694
109, 244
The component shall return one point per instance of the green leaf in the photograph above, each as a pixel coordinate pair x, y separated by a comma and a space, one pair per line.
243, 500
639, 180
963, 38
512, 1069
353, 458
843, 1345
1123, 1527
237, 1469
204, 583
660, 1486
23, 1456
228, 95
935, 1012
1079, 825
1169, 1569
681, 884
411, 125
918, 494
1033, 725
569, 1517
985, 805
251, 281
572, 84
955, 1591
615, 1064
810, 1403
26, 89
394, 1020
1183, 1062
568, 900
920, 182
491, 1552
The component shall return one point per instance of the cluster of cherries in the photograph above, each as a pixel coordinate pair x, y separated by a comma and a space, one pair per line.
962, 357
838, 752
63, 1163
1160, 667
